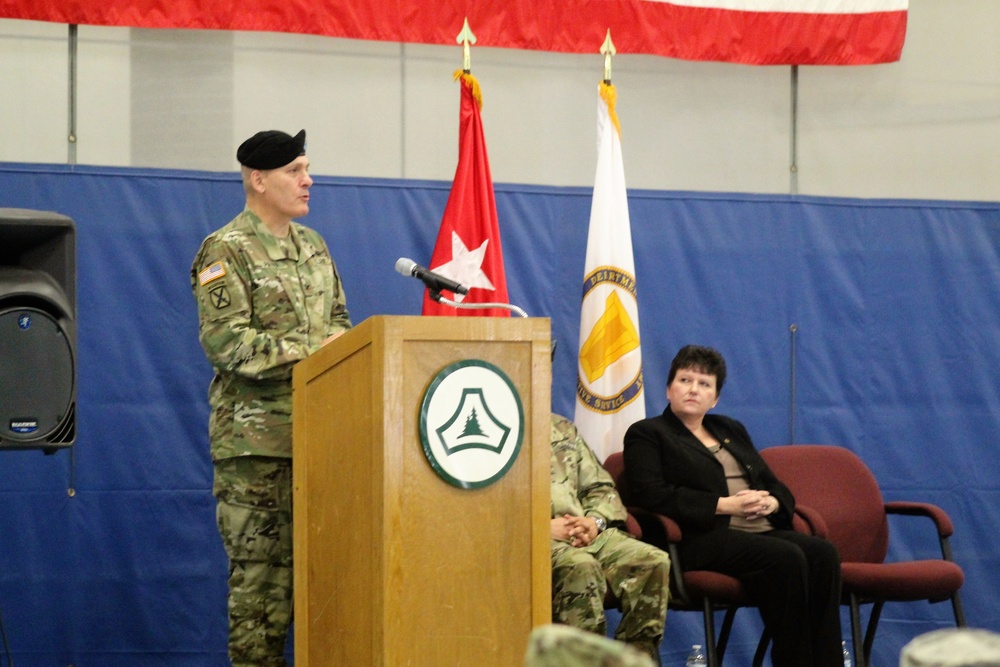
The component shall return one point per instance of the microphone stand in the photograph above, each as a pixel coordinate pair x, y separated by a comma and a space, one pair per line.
436, 295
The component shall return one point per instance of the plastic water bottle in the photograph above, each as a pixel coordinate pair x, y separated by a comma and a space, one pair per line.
696, 658
847, 655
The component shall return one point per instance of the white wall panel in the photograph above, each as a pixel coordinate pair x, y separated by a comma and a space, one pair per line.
704, 126
927, 127
104, 86
34, 92
181, 98
345, 93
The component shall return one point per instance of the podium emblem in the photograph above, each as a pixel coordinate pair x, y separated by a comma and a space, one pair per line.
471, 424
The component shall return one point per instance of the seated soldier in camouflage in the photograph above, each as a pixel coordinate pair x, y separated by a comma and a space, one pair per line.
591, 551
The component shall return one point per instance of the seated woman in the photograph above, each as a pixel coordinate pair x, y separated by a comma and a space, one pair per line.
704, 472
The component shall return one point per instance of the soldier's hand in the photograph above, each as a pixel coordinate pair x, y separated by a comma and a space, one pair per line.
559, 528
583, 530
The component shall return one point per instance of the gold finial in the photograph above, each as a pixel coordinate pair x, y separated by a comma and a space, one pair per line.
465, 38
608, 50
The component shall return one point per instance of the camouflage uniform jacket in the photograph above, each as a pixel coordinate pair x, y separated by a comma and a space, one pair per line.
580, 484
264, 303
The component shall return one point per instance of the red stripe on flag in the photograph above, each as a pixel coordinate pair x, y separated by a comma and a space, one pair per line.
575, 26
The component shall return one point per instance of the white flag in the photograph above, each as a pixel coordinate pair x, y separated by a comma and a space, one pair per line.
609, 396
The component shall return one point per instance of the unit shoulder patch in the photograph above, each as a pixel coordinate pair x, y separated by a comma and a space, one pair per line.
219, 296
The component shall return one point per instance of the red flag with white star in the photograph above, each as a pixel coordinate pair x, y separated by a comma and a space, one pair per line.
468, 248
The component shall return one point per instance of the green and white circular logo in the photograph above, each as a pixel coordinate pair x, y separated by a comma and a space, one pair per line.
471, 424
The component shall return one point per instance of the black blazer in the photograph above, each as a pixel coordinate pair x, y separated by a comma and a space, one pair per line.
669, 471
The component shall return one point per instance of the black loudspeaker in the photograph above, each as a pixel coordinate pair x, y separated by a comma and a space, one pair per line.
37, 330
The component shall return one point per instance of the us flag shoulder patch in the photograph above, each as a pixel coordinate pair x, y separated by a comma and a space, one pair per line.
211, 273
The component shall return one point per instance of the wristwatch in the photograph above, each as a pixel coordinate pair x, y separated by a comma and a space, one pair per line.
601, 523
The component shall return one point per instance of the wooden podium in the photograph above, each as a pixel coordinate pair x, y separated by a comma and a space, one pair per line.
395, 565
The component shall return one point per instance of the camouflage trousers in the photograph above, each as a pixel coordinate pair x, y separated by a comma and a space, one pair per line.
638, 574
254, 513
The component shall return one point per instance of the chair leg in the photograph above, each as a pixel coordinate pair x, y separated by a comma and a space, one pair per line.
956, 601
762, 645
859, 652
727, 627
872, 627
956, 605
711, 656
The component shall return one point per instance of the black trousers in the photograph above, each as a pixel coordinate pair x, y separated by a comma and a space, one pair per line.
793, 578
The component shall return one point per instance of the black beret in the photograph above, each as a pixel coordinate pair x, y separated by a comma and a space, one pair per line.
271, 149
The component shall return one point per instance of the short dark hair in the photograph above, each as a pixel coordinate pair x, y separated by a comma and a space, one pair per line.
701, 359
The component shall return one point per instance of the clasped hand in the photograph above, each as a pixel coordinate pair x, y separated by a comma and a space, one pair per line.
579, 531
751, 504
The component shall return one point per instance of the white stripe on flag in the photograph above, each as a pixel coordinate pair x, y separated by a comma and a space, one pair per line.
797, 6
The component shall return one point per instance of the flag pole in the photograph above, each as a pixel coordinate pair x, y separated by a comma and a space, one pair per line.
465, 38
607, 88
608, 50
468, 249
609, 390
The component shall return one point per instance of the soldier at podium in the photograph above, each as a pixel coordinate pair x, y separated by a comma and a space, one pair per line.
268, 295
590, 550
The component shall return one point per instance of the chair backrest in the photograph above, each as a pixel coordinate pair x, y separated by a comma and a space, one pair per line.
837, 484
615, 465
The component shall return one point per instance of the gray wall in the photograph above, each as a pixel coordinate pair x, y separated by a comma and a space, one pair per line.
926, 127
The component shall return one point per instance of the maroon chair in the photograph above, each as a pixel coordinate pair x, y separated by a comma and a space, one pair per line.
837, 485
693, 590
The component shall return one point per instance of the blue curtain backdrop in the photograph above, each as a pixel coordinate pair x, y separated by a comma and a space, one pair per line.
894, 305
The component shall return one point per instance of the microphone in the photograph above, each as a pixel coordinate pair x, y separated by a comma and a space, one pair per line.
434, 281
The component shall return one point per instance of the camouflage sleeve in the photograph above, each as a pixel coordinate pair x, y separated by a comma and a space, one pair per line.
596, 488
226, 330
340, 319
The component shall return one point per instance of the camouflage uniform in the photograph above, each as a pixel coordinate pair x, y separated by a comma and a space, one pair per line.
563, 646
263, 304
638, 573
